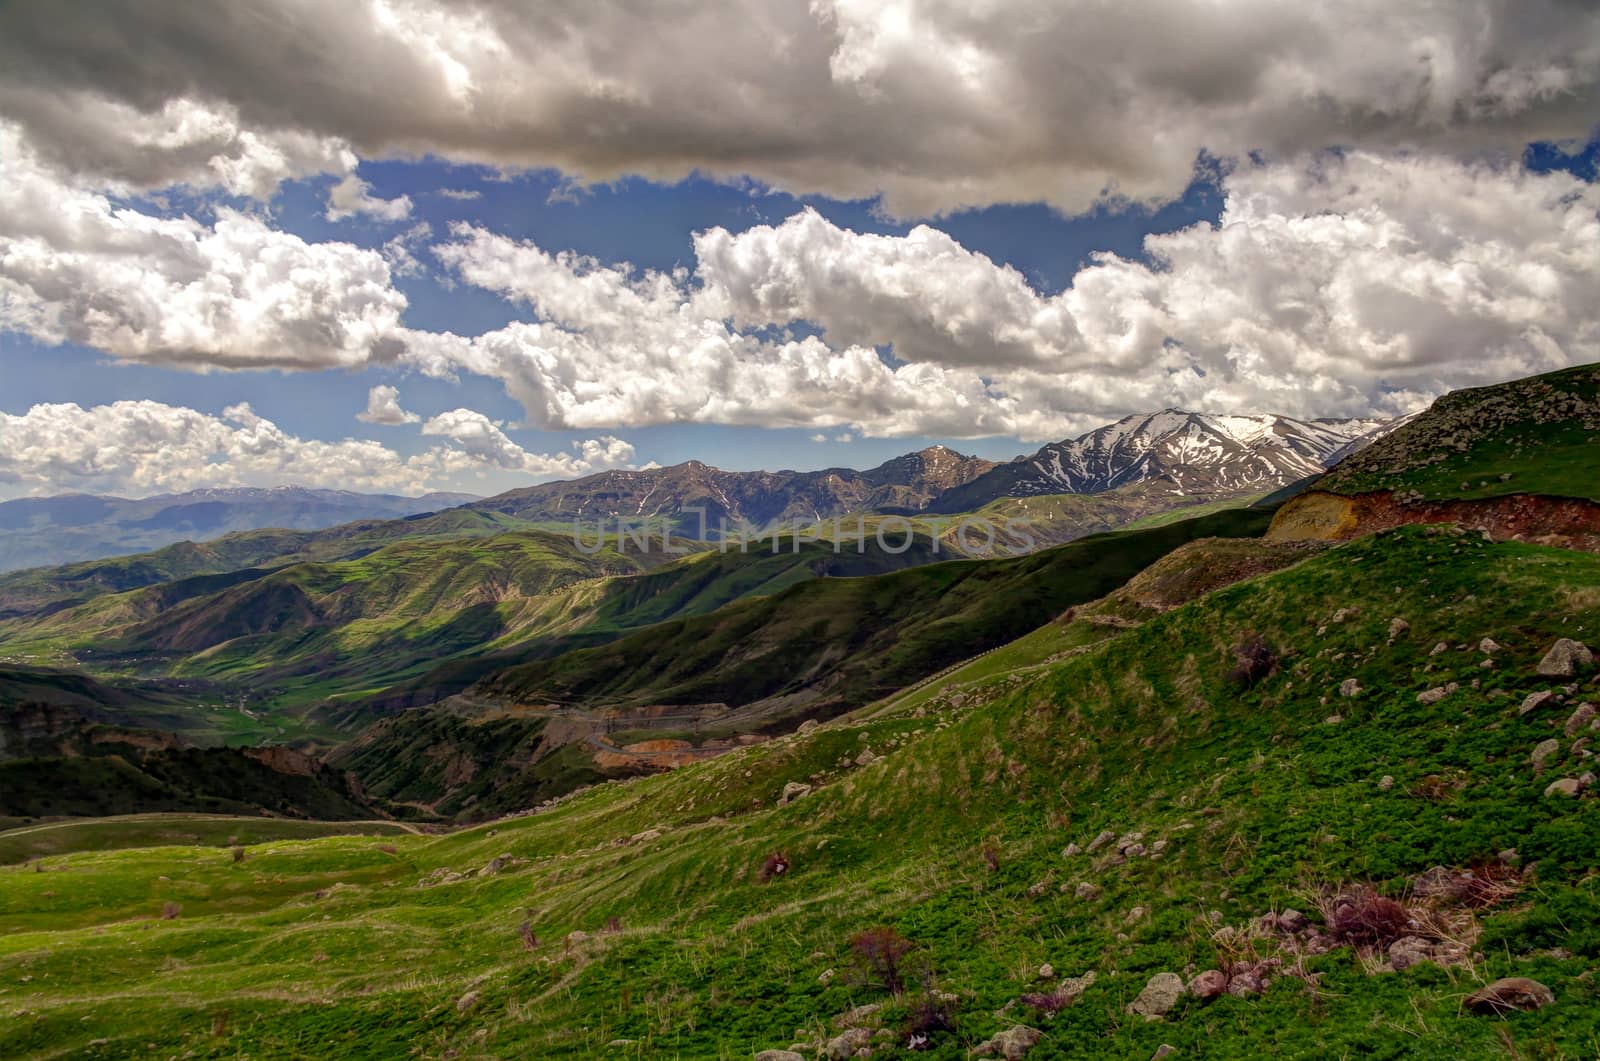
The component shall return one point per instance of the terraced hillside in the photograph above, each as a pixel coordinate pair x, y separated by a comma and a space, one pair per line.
1314, 813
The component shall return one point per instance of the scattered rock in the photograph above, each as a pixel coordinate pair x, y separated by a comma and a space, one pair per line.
1087, 891
1489, 646
1157, 848
1408, 951
1213, 983
844, 1047
1011, 1044
1565, 659
1437, 693
826, 976
1133, 850
792, 791
576, 937
1349, 687
1247, 980
1100, 841
1534, 701
1543, 751
1385, 783
1070, 850
1570, 787
858, 1017
1292, 920
1440, 649
1047, 971
1333, 720
807, 726
866, 758
645, 837
1164, 1050
1398, 626
1512, 992
498, 863
466, 1001
1159, 996
1072, 988
1581, 720
779, 1055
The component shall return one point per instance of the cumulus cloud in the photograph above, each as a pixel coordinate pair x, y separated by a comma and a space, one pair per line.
1341, 284
480, 438
353, 196
143, 447
383, 407
237, 293
934, 104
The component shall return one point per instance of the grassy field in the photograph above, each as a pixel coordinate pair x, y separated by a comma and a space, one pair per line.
22, 842
1264, 789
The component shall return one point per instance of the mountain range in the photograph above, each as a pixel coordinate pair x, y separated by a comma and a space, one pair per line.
35, 531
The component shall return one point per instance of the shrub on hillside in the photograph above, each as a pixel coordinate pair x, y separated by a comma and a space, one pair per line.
881, 954
1254, 661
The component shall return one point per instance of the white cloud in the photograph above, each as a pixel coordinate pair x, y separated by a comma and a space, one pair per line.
482, 439
142, 447
935, 104
1336, 285
76, 267
461, 194
383, 407
353, 196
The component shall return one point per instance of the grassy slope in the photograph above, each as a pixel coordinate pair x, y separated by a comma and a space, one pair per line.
1535, 435
845, 642
51, 587
31, 839
330, 946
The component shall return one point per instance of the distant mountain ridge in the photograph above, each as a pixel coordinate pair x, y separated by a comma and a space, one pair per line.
36, 531
1199, 453
907, 483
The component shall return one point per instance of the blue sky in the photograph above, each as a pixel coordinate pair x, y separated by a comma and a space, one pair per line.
824, 235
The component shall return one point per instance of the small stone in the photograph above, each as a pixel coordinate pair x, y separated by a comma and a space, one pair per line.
1349, 687
1213, 983
1071, 850
1440, 649
780, 1055
1569, 787
1011, 1044
1434, 695
1385, 783
792, 791
1544, 751
1565, 659
826, 977
1072, 988
866, 758
1333, 720
1159, 997
1534, 701
1133, 850
807, 726
1512, 992
1157, 848
1489, 646
466, 1001
1164, 1050
843, 1047
1292, 920
577, 936
1100, 841
1087, 891
1047, 971
1581, 720
1397, 626
1408, 951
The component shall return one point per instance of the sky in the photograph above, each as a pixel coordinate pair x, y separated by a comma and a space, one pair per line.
410, 245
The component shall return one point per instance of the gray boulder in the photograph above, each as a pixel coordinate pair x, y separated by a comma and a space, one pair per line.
1566, 659
1159, 997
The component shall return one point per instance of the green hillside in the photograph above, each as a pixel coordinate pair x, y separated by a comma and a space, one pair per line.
632, 921
231, 556
1534, 436
836, 643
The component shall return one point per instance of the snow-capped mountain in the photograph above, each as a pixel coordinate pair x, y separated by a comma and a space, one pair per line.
1198, 453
